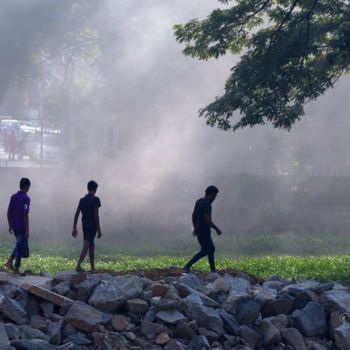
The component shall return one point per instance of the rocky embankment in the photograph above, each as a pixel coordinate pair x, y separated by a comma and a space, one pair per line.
83, 311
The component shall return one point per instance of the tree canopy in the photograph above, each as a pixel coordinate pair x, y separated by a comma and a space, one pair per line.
292, 51
36, 32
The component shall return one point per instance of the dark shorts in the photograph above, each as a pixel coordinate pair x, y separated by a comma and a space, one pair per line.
89, 233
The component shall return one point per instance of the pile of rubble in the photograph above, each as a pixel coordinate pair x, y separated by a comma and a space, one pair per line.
83, 311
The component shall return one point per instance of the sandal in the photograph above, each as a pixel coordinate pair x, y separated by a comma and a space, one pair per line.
9, 266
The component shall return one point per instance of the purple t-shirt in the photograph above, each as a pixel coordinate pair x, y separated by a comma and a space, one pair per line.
19, 205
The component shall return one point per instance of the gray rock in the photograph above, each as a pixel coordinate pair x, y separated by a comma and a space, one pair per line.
78, 339
164, 304
184, 331
12, 310
150, 316
293, 337
27, 332
137, 306
54, 333
336, 300
265, 295
47, 308
249, 335
219, 286
25, 344
207, 317
175, 344
279, 321
45, 274
311, 321
119, 323
8, 289
68, 330
11, 330
198, 343
193, 298
107, 296
83, 316
277, 306
230, 324
29, 303
38, 322
4, 339
342, 336
276, 285
304, 286
316, 346
84, 289
152, 328
158, 289
170, 316
192, 281
238, 285
211, 277
72, 277
247, 310
62, 288
210, 335
271, 334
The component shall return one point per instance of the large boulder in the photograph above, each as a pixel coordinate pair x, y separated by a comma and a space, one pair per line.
12, 310
311, 321
342, 336
293, 337
4, 339
109, 295
83, 316
302, 287
207, 317
336, 300
247, 310
27, 332
231, 326
238, 285
192, 281
70, 276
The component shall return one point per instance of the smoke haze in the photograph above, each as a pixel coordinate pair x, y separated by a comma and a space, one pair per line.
134, 129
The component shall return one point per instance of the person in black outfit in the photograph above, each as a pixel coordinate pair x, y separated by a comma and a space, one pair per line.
89, 206
202, 224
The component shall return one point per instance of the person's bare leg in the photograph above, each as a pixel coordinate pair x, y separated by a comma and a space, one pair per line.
92, 256
82, 255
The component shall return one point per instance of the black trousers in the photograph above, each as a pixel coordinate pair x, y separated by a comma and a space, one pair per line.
207, 248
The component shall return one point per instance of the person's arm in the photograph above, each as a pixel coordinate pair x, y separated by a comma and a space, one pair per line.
97, 221
26, 225
9, 218
76, 217
209, 222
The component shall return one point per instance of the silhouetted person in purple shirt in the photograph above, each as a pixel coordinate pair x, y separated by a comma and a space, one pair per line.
88, 205
18, 220
202, 224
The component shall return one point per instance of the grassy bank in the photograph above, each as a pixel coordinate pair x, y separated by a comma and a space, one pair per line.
320, 257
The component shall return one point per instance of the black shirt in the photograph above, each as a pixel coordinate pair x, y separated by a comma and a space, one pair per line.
201, 208
87, 205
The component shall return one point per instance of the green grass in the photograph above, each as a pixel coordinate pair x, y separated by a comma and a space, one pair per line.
322, 268
319, 257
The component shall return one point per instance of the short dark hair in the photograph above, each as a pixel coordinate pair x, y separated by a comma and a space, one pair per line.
24, 183
92, 185
211, 190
